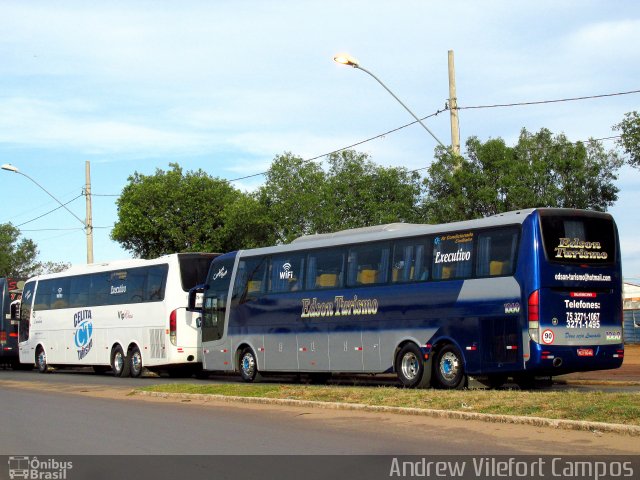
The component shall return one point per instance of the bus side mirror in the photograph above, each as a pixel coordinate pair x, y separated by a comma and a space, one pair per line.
196, 296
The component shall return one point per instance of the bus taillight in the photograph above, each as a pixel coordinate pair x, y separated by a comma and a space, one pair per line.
534, 316
172, 327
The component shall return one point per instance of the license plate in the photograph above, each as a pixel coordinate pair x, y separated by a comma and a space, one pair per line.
585, 352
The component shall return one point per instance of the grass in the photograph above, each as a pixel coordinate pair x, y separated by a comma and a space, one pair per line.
620, 408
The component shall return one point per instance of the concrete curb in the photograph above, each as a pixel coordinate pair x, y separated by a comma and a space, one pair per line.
595, 427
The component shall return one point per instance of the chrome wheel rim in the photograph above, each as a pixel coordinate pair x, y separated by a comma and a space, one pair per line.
410, 366
42, 360
248, 365
449, 366
136, 363
118, 362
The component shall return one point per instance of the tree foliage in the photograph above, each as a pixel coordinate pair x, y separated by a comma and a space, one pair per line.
542, 170
17, 257
630, 137
172, 211
301, 198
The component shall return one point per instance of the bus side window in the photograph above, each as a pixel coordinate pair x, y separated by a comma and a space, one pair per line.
79, 287
286, 273
452, 256
156, 281
368, 265
59, 293
43, 296
497, 252
325, 269
251, 279
410, 261
136, 281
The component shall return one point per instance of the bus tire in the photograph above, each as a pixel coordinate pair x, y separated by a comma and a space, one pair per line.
41, 360
135, 361
410, 367
449, 368
119, 362
248, 366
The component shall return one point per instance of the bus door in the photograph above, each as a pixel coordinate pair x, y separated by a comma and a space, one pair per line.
217, 354
580, 297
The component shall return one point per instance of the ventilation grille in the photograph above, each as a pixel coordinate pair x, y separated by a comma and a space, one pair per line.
156, 340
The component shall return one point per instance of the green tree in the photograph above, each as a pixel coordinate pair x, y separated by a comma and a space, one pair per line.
630, 137
17, 257
301, 198
172, 211
360, 193
541, 170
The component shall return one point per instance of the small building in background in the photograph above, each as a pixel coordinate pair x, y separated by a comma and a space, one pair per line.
631, 313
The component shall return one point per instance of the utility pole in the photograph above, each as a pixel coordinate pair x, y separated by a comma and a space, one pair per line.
88, 219
453, 108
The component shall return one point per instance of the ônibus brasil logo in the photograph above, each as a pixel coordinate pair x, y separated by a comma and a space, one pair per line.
84, 330
27, 467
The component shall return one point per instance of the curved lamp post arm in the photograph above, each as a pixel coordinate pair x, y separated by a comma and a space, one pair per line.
402, 103
13, 169
352, 62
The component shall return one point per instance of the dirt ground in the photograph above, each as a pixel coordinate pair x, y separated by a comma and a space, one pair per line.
628, 372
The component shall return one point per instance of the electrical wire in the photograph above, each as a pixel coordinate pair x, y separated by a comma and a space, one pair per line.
49, 212
497, 105
542, 102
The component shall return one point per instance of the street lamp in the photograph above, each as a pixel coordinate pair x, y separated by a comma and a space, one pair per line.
346, 59
87, 223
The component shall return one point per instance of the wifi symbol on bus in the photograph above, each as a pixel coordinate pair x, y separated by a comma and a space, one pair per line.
286, 272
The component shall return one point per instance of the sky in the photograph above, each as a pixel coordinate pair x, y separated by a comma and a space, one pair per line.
225, 86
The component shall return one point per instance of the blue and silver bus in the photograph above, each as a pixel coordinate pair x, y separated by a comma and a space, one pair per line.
528, 293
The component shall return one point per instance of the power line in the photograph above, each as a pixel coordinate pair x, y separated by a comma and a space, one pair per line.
541, 102
59, 229
380, 135
517, 104
50, 211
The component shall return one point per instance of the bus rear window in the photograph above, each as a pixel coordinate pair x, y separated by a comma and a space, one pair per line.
194, 268
579, 239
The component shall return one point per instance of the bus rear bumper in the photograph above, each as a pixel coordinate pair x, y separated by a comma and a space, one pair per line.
562, 359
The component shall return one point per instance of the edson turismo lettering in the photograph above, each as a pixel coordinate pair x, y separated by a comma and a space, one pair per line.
311, 308
576, 248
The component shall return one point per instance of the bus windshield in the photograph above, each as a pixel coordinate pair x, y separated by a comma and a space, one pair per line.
574, 239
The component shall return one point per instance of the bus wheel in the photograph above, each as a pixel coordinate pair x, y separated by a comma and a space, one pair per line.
119, 363
410, 367
135, 362
248, 366
449, 368
41, 360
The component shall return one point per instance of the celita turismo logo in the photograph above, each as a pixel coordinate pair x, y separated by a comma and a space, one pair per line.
38, 469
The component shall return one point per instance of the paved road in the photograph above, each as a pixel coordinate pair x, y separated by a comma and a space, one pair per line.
83, 416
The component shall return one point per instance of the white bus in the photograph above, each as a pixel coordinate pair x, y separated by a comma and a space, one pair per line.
120, 315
